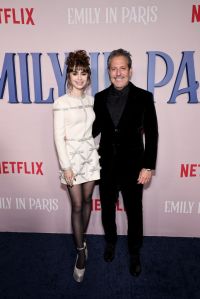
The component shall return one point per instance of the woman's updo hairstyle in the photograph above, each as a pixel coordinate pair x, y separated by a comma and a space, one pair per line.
78, 60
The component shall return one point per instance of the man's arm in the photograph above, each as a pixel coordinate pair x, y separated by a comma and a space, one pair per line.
150, 133
151, 142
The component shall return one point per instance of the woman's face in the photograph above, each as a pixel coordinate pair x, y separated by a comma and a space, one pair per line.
78, 79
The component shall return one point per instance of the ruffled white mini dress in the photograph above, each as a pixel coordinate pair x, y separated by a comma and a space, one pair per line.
76, 148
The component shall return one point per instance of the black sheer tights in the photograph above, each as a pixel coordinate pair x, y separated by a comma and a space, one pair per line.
81, 199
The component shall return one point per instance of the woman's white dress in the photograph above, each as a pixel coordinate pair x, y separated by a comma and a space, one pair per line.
73, 119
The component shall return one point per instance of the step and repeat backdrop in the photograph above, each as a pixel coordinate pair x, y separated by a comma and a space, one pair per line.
163, 38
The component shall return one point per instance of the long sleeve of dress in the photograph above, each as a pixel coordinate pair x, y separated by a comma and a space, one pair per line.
60, 135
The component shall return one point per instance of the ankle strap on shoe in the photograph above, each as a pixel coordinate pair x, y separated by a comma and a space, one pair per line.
80, 248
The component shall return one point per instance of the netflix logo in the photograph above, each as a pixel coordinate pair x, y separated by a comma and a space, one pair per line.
16, 167
189, 170
21, 16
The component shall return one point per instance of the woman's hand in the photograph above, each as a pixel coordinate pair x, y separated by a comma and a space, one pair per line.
69, 177
144, 176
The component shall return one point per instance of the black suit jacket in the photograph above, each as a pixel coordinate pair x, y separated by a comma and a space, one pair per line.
132, 145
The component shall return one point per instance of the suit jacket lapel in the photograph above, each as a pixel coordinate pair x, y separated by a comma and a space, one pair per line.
107, 113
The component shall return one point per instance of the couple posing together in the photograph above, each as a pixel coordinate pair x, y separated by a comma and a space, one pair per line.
125, 117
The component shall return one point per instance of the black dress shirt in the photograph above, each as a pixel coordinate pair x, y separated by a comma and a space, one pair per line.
116, 102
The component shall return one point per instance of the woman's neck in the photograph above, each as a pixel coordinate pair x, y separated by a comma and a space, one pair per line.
76, 93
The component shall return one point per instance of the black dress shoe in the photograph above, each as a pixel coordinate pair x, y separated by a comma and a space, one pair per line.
109, 252
135, 265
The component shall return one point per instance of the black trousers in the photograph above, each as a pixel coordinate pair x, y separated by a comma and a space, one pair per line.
132, 198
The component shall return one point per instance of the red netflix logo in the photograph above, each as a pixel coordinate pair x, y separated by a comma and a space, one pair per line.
190, 170
16, 167
196, 13
15, 16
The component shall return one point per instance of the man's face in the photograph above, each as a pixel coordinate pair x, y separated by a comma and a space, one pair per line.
119, 72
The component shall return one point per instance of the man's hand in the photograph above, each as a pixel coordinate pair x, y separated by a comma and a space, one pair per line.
144, 176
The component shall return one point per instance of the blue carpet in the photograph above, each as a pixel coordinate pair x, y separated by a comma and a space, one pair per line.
40, 266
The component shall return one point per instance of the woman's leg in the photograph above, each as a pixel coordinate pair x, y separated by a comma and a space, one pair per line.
87, 203
76, 196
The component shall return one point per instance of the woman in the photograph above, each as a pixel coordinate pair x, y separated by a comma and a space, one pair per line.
77, 153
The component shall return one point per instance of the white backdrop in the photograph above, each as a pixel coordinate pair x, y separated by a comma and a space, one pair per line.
163, 38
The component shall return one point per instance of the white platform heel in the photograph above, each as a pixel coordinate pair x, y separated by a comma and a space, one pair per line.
79, 273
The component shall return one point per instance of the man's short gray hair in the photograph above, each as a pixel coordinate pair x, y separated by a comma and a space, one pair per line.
119, 52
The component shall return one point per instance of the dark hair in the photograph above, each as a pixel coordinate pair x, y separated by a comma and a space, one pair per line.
119, 52
78, 60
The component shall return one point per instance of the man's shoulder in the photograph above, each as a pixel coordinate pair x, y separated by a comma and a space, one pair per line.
141, 91
102, 92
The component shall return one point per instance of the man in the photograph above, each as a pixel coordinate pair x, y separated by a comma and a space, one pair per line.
125, 116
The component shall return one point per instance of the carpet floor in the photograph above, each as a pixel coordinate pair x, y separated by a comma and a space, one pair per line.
40, 266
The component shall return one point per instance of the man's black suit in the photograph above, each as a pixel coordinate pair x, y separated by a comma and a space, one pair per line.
125, 149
